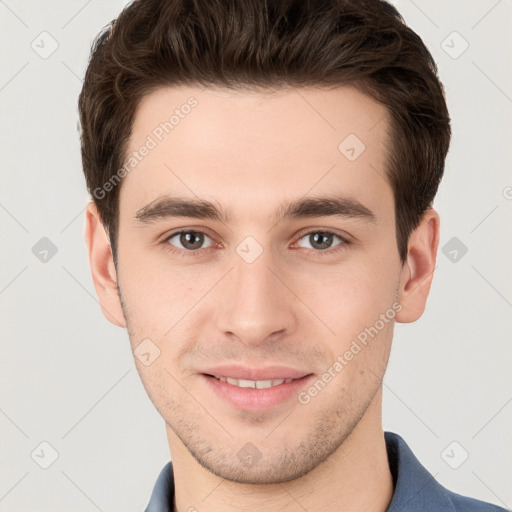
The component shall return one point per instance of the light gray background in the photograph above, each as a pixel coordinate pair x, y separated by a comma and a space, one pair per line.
67, 375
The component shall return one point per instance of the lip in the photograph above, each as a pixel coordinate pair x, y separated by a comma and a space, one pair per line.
252, 399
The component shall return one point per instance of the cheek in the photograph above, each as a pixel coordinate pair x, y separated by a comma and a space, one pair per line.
348, 298
156, 295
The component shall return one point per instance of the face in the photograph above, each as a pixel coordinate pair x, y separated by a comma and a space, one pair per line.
257, 243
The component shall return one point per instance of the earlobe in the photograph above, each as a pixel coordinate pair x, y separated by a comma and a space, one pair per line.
103, 271
418, 270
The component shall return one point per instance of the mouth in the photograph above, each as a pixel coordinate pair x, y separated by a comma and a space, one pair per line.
267, 389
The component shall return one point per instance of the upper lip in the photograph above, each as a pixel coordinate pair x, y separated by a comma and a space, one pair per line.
247, 373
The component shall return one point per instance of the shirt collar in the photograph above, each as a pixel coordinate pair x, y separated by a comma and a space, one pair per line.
415, 487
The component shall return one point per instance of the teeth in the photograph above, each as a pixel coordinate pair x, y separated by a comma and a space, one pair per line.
255, 384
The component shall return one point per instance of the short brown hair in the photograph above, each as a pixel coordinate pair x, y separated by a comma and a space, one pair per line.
267, 44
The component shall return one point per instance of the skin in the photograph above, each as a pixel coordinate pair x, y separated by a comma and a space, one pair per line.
249, 152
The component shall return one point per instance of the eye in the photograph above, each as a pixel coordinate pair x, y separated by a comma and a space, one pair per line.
189, 240
322, 240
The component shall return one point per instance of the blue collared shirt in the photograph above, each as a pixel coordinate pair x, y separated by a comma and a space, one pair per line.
416, 490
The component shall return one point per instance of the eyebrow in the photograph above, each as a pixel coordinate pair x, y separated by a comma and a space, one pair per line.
308, 207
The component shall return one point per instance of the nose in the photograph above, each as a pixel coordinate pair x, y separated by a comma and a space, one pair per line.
256, 307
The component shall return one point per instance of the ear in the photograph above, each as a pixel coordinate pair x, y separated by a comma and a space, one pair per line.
102, 266
418, 270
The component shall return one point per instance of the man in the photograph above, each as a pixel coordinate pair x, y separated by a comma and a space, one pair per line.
262, 175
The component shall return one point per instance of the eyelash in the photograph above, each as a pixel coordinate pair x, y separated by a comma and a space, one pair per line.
317, 253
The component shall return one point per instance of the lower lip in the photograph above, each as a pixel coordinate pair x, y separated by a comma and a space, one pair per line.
251, 399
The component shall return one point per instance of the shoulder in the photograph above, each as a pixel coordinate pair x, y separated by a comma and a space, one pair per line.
466, 504
416, 489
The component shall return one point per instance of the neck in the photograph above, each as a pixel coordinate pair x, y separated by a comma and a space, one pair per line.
355, 477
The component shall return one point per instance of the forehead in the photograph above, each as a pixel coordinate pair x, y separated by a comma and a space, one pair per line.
253, 149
